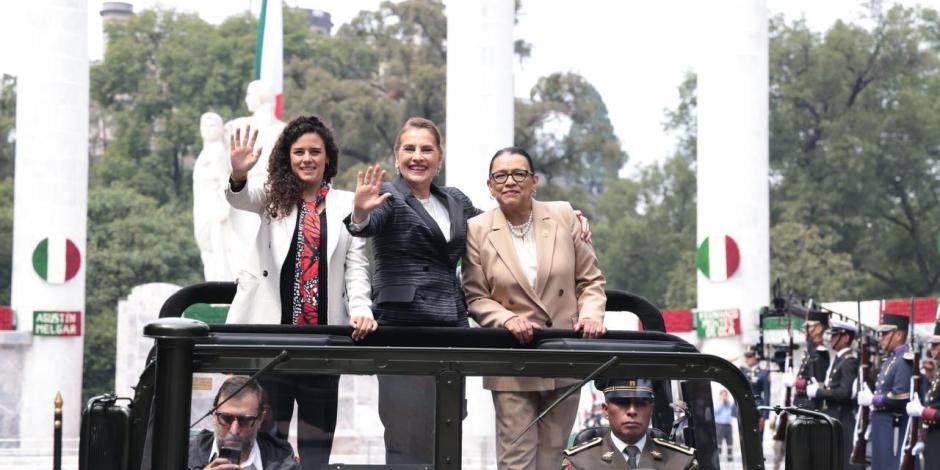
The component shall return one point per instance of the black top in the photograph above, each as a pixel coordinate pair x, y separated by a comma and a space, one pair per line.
415, 267
289, 275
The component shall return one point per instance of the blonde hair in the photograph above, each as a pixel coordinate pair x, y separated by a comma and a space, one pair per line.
420, 123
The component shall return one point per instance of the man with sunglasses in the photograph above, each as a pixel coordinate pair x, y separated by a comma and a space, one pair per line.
236, 423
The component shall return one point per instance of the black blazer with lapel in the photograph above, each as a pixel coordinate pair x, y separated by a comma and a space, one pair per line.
415, 280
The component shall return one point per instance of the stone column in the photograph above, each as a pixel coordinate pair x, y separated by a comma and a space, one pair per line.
479, 92
51, 194
733, 162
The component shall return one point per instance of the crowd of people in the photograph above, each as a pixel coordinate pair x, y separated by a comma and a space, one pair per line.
833, 380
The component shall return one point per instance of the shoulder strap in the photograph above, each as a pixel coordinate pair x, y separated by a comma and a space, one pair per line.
586, 445
674, 446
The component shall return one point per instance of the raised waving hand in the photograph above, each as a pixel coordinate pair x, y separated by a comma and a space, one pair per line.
243, 153
367, 195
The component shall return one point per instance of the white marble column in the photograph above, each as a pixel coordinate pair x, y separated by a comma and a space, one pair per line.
733, 160
51, 194
479, 91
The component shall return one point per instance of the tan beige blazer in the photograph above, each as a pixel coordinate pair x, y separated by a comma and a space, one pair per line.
568, 283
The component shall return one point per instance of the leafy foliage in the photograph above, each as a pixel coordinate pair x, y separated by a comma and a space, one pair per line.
854, 119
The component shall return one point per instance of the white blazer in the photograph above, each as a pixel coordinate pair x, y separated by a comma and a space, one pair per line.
258, 297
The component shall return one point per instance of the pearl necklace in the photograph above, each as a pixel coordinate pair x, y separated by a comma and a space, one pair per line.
520, 230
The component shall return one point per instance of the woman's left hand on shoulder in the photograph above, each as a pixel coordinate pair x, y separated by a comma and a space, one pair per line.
362, 326
585, 225
591, 327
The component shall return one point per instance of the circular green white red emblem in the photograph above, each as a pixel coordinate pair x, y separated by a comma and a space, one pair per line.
56, 260
718, 257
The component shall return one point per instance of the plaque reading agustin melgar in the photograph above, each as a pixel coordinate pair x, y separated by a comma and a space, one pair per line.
57, 323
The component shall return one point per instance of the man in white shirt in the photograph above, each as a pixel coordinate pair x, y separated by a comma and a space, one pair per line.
235, 442
628, 408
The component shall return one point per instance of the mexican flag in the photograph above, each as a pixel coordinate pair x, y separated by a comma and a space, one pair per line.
718, 257
269, 51
56, 260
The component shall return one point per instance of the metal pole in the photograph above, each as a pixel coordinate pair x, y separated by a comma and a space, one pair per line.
57, 433
448, 420
173, 389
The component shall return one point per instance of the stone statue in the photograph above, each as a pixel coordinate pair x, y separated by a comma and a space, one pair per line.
260, 100
215, 235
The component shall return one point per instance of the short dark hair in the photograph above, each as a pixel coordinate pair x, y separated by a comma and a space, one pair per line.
234, 383
513, 151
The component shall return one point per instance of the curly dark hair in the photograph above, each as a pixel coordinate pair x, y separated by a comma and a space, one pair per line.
283, 190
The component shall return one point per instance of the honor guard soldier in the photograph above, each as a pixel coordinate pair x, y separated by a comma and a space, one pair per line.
892, 392
815, 361
759, 379
929, 411
628, 444
837, 392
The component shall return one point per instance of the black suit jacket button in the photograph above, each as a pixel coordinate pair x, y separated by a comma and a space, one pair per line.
548, 323
264, 273
425, 269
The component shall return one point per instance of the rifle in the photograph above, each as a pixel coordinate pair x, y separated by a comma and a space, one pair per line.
913, 424
858, 456
780, 433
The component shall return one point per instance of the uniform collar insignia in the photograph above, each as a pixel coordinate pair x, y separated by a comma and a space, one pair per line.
657, 455
608, 456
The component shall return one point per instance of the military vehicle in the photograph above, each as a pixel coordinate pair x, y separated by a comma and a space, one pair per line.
151, 430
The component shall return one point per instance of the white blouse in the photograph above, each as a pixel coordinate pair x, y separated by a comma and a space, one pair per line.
435, 208
525, 251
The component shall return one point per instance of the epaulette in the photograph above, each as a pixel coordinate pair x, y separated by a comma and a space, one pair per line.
908, 356
674, 446
586, 445
821, 349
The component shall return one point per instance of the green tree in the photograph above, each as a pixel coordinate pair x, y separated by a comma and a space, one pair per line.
802, 257
132, 240
854, 119
7, 124
6, 239
7, 154
565, 126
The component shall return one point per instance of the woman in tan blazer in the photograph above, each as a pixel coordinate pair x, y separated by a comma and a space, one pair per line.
526, 268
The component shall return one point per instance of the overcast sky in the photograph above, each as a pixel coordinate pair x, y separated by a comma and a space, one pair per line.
634, 52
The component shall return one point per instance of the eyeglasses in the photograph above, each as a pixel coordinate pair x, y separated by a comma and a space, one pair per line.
517, 175
227, 419
425, 151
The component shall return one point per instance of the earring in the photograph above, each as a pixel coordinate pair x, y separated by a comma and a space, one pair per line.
439, 170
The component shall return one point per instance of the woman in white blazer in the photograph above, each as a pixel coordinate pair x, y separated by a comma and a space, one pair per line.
301, 241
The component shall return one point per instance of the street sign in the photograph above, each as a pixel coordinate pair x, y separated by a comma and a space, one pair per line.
57, 323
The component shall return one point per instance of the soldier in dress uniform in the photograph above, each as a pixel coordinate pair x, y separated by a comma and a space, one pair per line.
628, 407
838, 391
759, 378
929, 411
892, 392
815, 361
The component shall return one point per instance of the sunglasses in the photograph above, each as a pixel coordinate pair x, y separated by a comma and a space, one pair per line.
227, 419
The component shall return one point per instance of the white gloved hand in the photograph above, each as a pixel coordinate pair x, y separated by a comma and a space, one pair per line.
789, 380
811, 390
865, 396
918, 448
914, 408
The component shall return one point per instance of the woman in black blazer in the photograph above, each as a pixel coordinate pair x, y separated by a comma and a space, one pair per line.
419, 232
